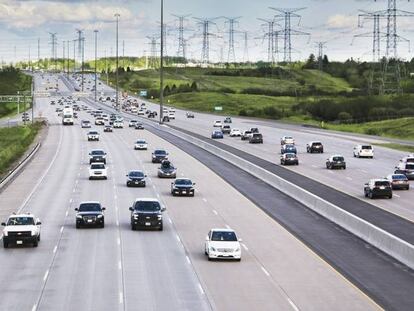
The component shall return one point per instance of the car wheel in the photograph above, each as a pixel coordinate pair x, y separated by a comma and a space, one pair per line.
77, 226
344, 167
238, 259
365, 194
192, 194
390, 196
38, 237
35, 243
370, 195
161, 227
209, 258
103, 225
408, 188
5, 244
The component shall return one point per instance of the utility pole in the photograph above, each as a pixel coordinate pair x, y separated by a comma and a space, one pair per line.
123, 54
288, 31
231, 21
38, 53
205, 24
81, 52
153, 48
74, 55
63, 56
106, 69
68, 58
162, 64
96, 60
53, 43
117, 15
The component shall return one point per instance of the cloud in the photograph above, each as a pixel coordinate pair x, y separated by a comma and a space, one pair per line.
340, 21
28, 14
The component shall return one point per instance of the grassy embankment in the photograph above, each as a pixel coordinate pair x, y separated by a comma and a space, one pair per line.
271, 96
14, 142
11, 82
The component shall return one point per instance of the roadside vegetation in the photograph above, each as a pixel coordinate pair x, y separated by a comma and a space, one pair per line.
14, 142
399, 147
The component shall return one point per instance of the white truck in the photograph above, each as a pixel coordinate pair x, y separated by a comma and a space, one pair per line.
67, 116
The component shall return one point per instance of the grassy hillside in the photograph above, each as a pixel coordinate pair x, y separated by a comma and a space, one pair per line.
14, 142
13, 80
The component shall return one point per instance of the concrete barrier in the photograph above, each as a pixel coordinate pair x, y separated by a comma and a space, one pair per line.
386, 242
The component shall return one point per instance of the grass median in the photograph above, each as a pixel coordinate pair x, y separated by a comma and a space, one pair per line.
14, 142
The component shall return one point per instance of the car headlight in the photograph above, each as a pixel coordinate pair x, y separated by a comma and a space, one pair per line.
79, 216
237, 249
5, 233
135, 216
212, 248
34, 232
100, 216
159, 217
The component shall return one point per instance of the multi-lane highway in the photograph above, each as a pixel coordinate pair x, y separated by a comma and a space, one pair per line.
115, 268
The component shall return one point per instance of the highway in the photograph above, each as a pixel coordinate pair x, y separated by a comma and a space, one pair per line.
118, 269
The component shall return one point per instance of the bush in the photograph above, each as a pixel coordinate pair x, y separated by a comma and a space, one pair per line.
344, 116
272, 112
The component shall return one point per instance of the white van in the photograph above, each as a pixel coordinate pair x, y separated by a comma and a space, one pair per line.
363, 151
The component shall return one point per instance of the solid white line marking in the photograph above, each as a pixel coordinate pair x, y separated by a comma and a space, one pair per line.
119, 265
244, 246
55, 249
34, 308
396, 195
178, 238
265, 271
61, 229
121, 299
292, 304
215, 212
201, 289
46, 274
118, 241
188, 259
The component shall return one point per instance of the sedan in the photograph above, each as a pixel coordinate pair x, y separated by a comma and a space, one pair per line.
217, 135
141, 144
289, 159
135, 179
235, 133
97, 171
108, 129
190, 115
85, 124
139, 126
167, 170
159, 155
182, 186
222, 244
132, 123
218, 124
398, 181
287, 148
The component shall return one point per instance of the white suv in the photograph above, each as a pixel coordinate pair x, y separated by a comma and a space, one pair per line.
93, 136
21, 229
364, 151
222, 244
287, 140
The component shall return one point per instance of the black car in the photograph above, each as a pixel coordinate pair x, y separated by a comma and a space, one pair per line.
289, 159
166, 119
167, 170
378, 188
159, 155
182, 186
256, 138
146, 213
139, 126
90, 214
135, 179
151, 115
314, 146
190, 115
335, 161
97, 155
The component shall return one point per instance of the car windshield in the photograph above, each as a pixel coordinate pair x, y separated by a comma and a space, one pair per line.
20, 221
183, 182
167, 164
338, 159
140, 141
410, 160
147, 206
366, 147
97, 152
136, 174
399, 177
409, 166
257, 135
90, 207
160, 152
290, 147
317, 144
381, 183
97, 166
288, 138
93, 133
224, 236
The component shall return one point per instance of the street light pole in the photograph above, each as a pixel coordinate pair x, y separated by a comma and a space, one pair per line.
162, 64
117, 60
96, 56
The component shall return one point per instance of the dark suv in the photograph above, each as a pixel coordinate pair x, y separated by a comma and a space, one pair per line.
146, 213
97, 155
378, 188
182, 186
159, 155
314, 146
256, 138
135, 178
90, 214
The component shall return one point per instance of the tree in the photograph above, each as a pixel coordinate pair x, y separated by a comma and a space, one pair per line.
311, 62
194, 87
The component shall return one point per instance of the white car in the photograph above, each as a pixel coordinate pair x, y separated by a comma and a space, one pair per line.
93, 136
235, 133
132, 123
222, 244
97, 171
105, 117
363, 151
218, 123
134, 109
118, 124
287, 140
141, 144
171, 115
21, 229
141, 112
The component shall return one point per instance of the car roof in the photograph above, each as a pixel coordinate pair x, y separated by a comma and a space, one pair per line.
89, 202
146, 200
22, 215
379, 179
336, 155
97, 150
223, 230
141, 171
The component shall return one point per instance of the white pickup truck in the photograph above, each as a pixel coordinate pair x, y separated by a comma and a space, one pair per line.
21, 229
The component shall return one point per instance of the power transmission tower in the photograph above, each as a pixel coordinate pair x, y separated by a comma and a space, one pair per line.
205, 24
288, 31
153, 63
182, 42
231, 21
38, 52
376, 34
320, 46
80, 45
246, 47
272, 40
391, 82
53, 43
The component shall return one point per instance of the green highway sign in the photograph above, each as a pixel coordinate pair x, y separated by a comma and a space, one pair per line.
218, 108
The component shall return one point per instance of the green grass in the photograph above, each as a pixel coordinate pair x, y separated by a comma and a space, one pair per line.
397, 147
14, 142
10, 109
398, 128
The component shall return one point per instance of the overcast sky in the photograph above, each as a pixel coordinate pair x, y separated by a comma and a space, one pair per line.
333, 21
